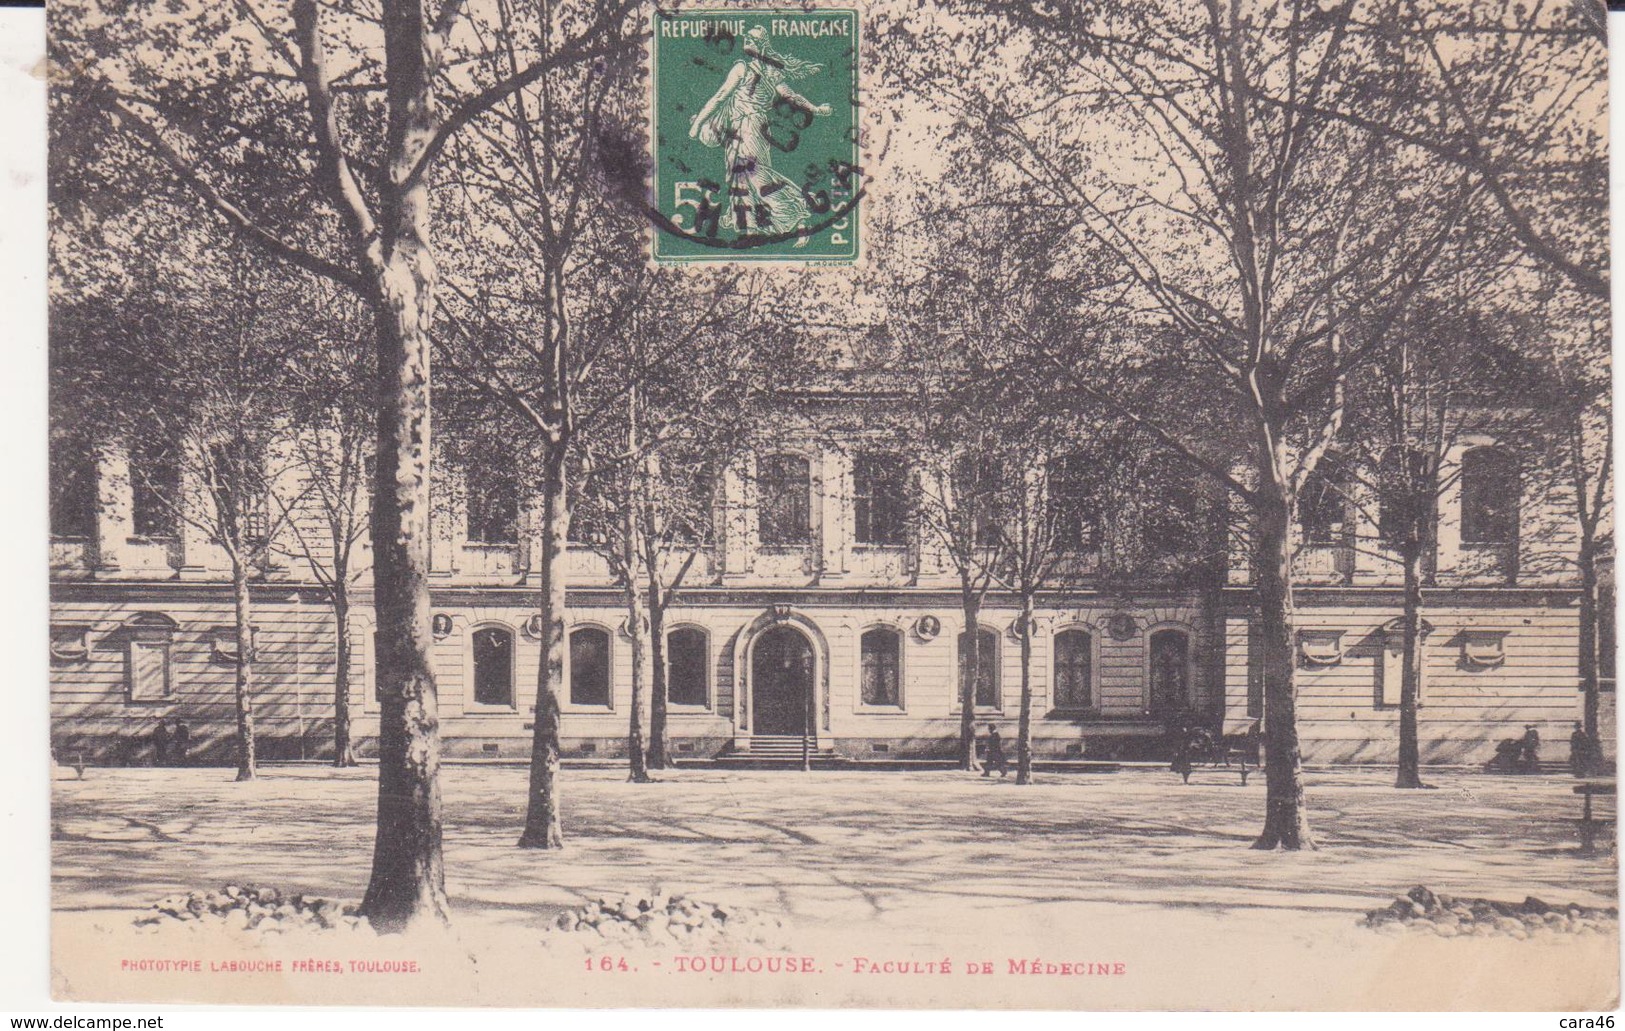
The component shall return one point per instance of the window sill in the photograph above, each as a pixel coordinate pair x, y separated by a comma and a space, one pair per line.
588, 708
881, 710
686, 709
482, 709
1059, 713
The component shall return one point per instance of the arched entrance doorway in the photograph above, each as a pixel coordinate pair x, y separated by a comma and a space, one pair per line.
781, 676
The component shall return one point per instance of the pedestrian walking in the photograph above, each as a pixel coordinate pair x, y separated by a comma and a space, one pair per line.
160, 744
183, 740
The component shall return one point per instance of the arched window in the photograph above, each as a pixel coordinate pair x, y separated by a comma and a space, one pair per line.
783, 497
687, 657
493, 666
1074, 661
1489, 496
987, 673
589, 666
880, 499
882, 656
1170, 671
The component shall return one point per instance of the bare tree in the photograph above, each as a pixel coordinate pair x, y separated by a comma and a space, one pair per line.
1264, 247
205, 359
373, 89
330, 449
647, 501
1431, 384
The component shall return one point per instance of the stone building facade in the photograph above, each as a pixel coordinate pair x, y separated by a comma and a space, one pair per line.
825, 608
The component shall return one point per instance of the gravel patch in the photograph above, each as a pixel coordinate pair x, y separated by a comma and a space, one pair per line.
668, 921
1448, 917
264, 911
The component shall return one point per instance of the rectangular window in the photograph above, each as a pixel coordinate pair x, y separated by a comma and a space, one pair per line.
155, 489
241, 493
977, 500
147, 671
1489, 496
783, 499
692, 511
493, 505
73, 487
1322, 510
1391, 672
1074, 513
880, 499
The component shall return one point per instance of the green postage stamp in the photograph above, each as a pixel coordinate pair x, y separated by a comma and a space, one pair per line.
755, 135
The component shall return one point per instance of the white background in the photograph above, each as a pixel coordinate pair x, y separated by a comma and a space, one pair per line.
24, 758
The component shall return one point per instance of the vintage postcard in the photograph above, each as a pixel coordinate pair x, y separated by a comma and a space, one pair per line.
911, 503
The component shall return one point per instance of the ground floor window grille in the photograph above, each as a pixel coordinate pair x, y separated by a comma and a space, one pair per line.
1072, 669
881, 661
686, 661
493, 666
987, 661
1170, 671
589, 667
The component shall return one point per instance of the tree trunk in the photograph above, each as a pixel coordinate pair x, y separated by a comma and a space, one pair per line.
1024, 727
343, 746
1410, 677
408, 884
970, 665
246, 767
543, 827
1589, 679
659, 742
1286, 825
639, 773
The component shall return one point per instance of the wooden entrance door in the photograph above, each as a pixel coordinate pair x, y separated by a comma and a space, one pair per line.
781, 675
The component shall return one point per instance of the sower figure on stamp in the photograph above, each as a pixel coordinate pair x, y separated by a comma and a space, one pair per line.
736, 119
995, 754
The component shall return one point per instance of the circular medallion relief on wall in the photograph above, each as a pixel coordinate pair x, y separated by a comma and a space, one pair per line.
927, 627
1121, 626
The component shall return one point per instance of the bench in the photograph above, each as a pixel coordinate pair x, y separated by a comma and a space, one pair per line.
1589, 823
1234, 748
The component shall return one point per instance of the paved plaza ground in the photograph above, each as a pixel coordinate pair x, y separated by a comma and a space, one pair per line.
1129, 867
